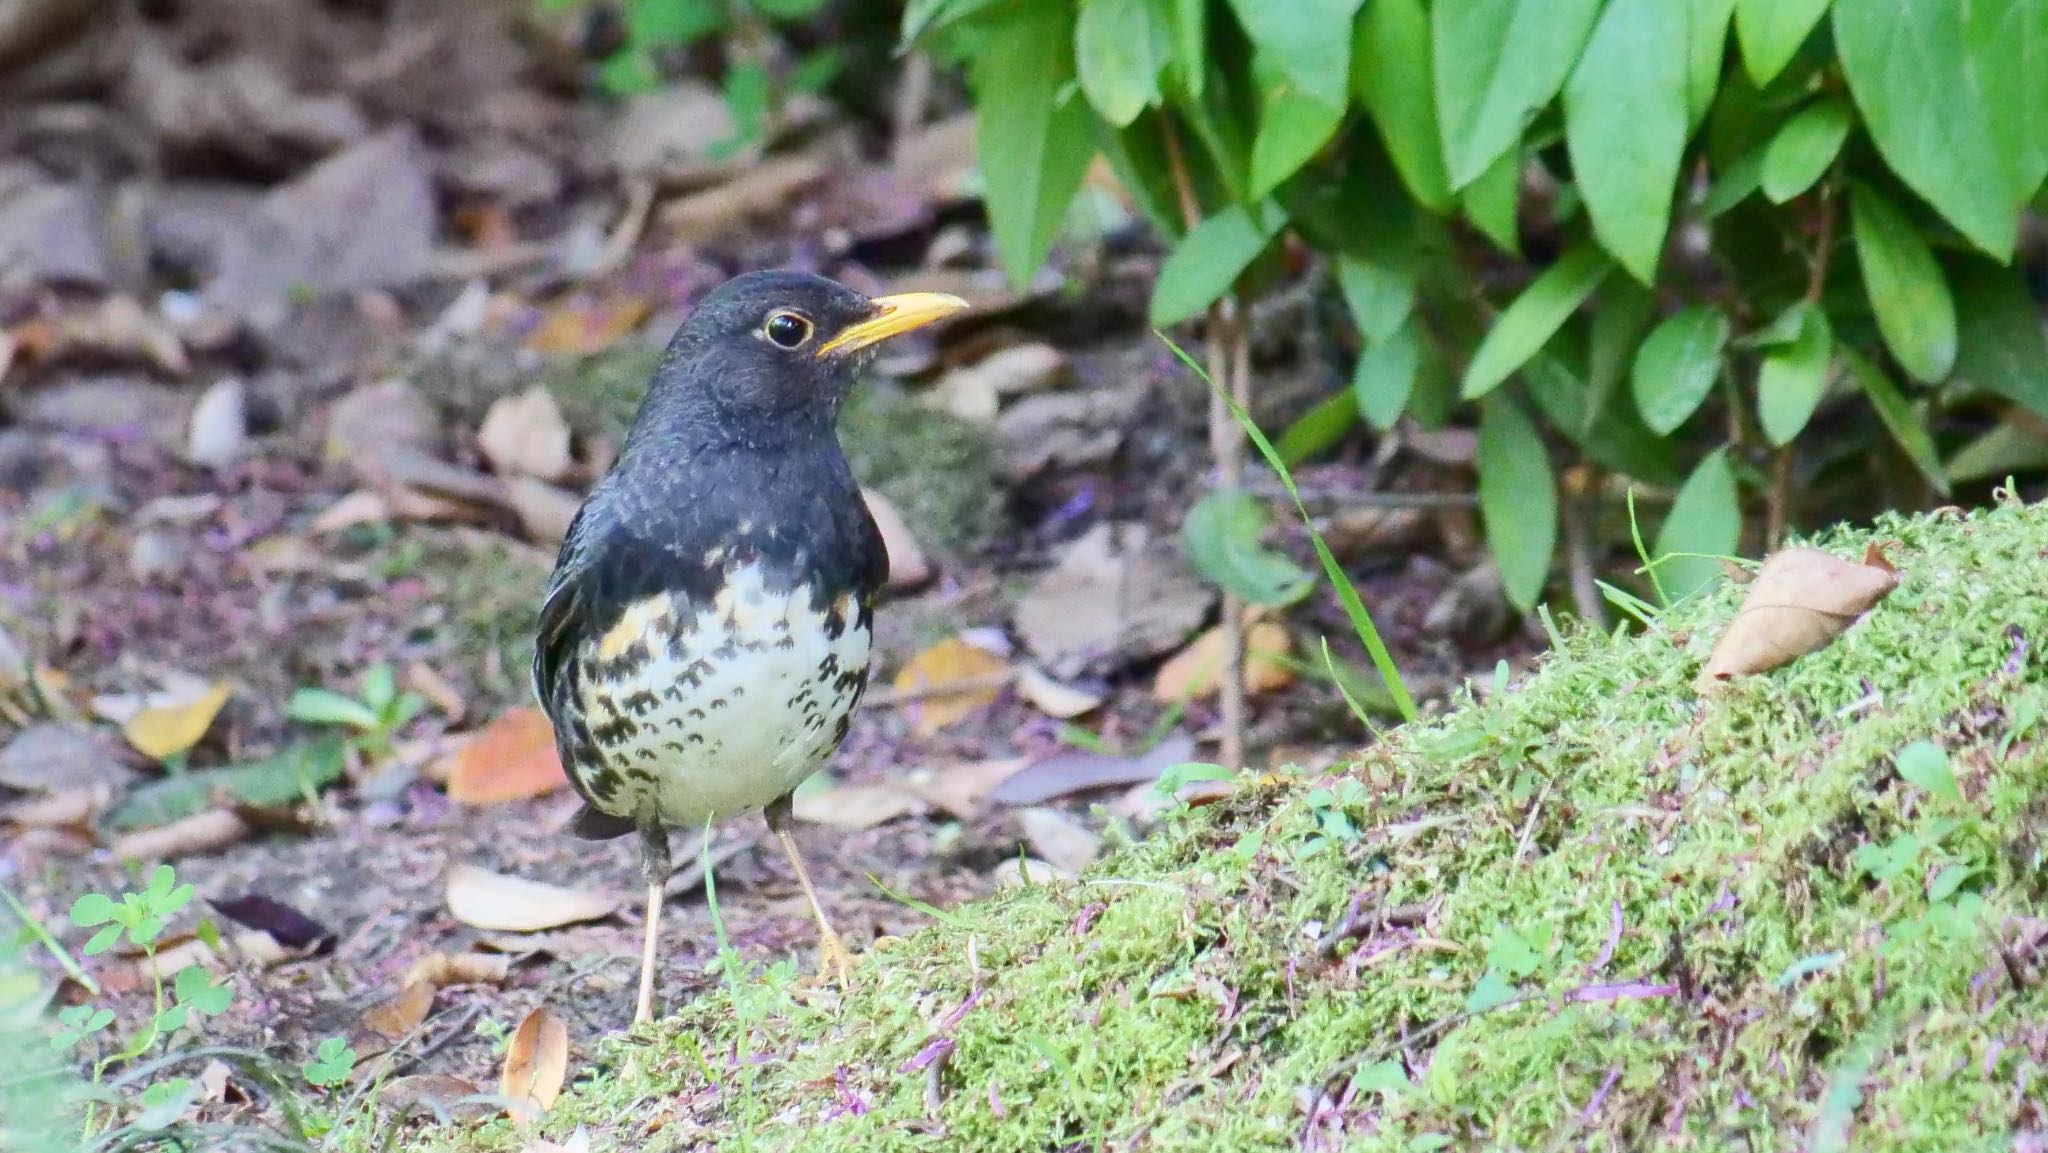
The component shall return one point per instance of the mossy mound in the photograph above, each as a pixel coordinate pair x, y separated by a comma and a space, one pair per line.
1594, 911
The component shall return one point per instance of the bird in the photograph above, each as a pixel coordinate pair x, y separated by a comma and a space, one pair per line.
704, 638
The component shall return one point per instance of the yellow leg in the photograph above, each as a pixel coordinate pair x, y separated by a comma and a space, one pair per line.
834, 962
655, 867
643, 1009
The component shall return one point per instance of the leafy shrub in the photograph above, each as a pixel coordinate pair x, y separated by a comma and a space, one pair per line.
1711, 247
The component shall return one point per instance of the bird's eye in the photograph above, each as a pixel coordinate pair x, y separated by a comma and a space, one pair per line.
788, 330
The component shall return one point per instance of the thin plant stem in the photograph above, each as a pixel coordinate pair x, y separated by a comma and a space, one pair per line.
1816, 284
1229, 357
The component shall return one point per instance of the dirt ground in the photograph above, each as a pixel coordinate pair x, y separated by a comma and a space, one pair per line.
252, 361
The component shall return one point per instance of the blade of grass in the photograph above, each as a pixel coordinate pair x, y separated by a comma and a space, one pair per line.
1346, 592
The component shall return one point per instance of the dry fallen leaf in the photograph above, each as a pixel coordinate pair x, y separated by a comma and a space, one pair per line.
1081, 770
512, 758
1053, 698
1116, 595
402, 1014
167, 730
428, 682
1059, 840
1195, 672
950, 680
362, 506
908, 565
482, 899
859, 806
963, 790
439, 969
198, 833
579, 325
536, 1064
525, 435
1801, 600
578, 1142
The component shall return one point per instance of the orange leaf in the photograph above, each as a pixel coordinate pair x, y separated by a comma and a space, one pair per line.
580, 325
950, 680
513, 758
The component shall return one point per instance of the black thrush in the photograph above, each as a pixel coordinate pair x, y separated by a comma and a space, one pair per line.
704, 639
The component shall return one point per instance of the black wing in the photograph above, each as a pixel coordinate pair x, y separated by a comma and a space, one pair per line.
564, 619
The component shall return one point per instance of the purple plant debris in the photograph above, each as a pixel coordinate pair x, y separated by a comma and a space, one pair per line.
934, 1049
995, 1102
1613, 938
2017, 659
1086, 917
1592, 1109
1620, 991
940, 1044
849, 1102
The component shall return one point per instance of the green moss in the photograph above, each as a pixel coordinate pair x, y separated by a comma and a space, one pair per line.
938, 469
1806, 941
600, 394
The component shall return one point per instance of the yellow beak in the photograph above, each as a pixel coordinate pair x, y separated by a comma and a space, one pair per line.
894, 316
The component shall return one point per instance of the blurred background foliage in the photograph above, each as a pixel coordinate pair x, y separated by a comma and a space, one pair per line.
1761, 261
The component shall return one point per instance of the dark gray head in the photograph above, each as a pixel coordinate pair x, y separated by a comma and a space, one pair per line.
771, 353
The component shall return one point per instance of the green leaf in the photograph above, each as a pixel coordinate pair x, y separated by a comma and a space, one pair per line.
1388, 1078
1921, 85
1310, 40
1318, 430
1191, 44
1496, 63
1035, 147
672, 22
1613, 438
1907, 424
197, 989
1794, 377
92, 909
1492, 991
297, 772
314, 706
921, 17
2013, 34
1915, 313
1386, 376
1391, 75
103, 940
2004, 450
1211, 258
1293, 128
380, 688
1120, 48
1706, 41
1490, 202
1677, 366
1528, 324
1925, 765
1705, 518
2000, 345
1799, 155
1734, 185
1771, 31
1222, 536
1620, 320
1625, 127
788, 9
1517, 499
1381, 297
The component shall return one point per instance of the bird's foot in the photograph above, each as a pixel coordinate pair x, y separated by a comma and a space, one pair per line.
835, 963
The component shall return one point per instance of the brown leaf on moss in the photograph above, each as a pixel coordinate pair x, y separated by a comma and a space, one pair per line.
536, 1064
402, 1014
1801, 600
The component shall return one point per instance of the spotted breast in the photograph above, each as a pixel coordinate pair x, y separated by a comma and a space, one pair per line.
699, 708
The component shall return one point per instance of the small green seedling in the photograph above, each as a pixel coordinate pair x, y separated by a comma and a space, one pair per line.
193, 995
331, 1063
377, 716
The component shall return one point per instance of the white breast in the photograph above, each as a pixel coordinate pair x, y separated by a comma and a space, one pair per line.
744, 703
